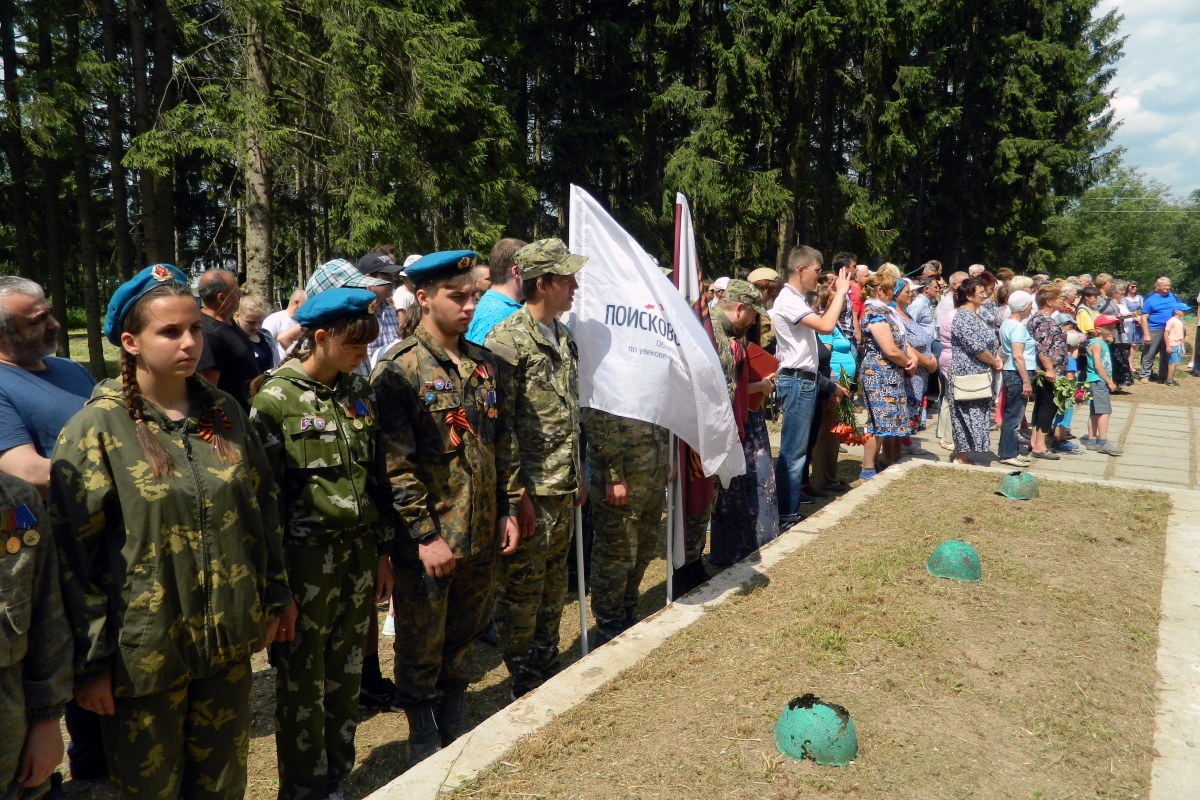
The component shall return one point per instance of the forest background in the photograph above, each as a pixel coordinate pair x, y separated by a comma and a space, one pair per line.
268, 136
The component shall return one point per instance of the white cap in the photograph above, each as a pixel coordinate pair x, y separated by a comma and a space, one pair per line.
1019, 300
719, 284
1074, 338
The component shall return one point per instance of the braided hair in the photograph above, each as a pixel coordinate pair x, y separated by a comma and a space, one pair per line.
215, 425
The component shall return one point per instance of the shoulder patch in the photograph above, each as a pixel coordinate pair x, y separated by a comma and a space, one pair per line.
505, 352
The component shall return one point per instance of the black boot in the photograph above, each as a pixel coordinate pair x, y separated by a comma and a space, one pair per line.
451, 715
423, 738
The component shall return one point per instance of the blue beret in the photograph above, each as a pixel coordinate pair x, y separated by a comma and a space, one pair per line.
333, 303
438, 266
128, 293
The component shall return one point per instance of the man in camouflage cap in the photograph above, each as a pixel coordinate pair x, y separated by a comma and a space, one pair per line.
627, 462
539, 372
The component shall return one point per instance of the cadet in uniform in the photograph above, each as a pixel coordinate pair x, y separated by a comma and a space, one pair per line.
627, 462
35, 645
166, 518
452, 464
318, 422
539, 371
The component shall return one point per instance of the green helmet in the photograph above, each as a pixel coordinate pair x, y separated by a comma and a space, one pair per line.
821, 731
955, 560
1018, 486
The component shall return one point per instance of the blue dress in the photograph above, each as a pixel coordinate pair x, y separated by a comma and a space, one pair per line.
919, 340
884, 384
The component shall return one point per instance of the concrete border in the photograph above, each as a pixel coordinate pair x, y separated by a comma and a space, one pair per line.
1176, 770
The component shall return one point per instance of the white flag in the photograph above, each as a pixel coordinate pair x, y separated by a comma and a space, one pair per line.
642, 352
688, 269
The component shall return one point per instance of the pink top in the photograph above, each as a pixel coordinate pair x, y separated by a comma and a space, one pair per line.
944, 338
1174, 332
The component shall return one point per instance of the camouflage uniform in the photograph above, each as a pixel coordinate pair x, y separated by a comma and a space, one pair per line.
35, 641
621, 449
168, 584
448, 478
320, 443
541, 387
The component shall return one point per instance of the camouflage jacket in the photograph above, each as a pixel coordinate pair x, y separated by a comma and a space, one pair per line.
33, 625
321, 445
541, 389
725, 335
164, 579
619, 448
447, 444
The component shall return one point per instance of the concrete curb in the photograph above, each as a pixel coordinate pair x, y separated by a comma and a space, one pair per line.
1176, 770
491, 739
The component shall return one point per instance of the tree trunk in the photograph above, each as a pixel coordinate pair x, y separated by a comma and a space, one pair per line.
116, 148
141, 124
163, 98
87, 219
56, 281
14, 144
257, 166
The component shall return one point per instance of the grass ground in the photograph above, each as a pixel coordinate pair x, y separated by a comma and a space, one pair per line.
1036, 683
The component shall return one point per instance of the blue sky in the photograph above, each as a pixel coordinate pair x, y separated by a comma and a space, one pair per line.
1158, 89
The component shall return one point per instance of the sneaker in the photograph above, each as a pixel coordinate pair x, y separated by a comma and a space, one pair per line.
1016, 461
1171, 382
1046, 454
806, 499
1143, 380
1090, 444
1070, 448
1023, 438
1109, 450
389, 626
866, 474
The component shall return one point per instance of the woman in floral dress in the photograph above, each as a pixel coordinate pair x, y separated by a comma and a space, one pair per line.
886, 359
973, 345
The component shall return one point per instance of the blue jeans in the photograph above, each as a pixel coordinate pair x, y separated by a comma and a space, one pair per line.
797, 405
1014, 410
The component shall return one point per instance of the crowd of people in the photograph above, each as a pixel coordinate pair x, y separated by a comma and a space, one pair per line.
411, 433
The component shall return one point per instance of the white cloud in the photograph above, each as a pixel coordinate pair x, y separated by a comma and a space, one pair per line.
1158, 91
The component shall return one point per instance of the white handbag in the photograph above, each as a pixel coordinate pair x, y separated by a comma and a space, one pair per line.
972, 387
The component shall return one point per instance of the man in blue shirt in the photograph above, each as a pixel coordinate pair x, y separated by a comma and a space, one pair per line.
1157, 308
505, 295
38, 394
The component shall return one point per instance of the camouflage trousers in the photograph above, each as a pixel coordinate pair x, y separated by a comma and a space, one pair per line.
318, 674
626, 539
695, 532
531, 589
436, 621
12, 734
191, 742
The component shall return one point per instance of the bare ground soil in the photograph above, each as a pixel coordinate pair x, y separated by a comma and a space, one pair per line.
1036, 683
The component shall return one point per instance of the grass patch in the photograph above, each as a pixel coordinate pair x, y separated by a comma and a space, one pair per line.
1038, 682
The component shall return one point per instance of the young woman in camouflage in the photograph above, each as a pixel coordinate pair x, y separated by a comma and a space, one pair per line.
168, 529
318, 422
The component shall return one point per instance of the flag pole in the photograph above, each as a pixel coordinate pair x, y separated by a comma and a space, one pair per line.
671, 511
579, 581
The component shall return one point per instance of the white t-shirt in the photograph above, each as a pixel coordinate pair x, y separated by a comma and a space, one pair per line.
403, 299
275, 324
795, 344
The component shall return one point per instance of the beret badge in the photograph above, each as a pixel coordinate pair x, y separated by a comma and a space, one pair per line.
160, 273
464, 262
371, 307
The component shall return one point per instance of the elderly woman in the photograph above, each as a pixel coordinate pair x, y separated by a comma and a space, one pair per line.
973, 362
921, 344
1019, 354
886, 358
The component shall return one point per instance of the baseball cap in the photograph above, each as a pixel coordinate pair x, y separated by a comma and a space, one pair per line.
1019, 300
1074, 338
742, 292
762, 274
720, 284
546, 257
1105, 319
339, 274
377, 262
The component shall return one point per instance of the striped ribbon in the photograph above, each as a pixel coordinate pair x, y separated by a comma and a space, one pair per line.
455, 419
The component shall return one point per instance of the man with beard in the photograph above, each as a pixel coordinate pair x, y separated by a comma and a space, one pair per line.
38, 394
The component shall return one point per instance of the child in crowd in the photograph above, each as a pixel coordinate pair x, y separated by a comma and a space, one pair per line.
1099, 378
1062, 420
1176, 334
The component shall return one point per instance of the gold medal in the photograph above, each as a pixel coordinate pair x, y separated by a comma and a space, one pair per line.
13, 545
358, 424
368, 421
31, 538
491, 413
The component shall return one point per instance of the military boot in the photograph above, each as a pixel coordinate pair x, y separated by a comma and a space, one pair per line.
451, 715
423, 739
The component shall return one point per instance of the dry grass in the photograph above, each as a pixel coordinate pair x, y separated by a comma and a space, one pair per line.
1037, 682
